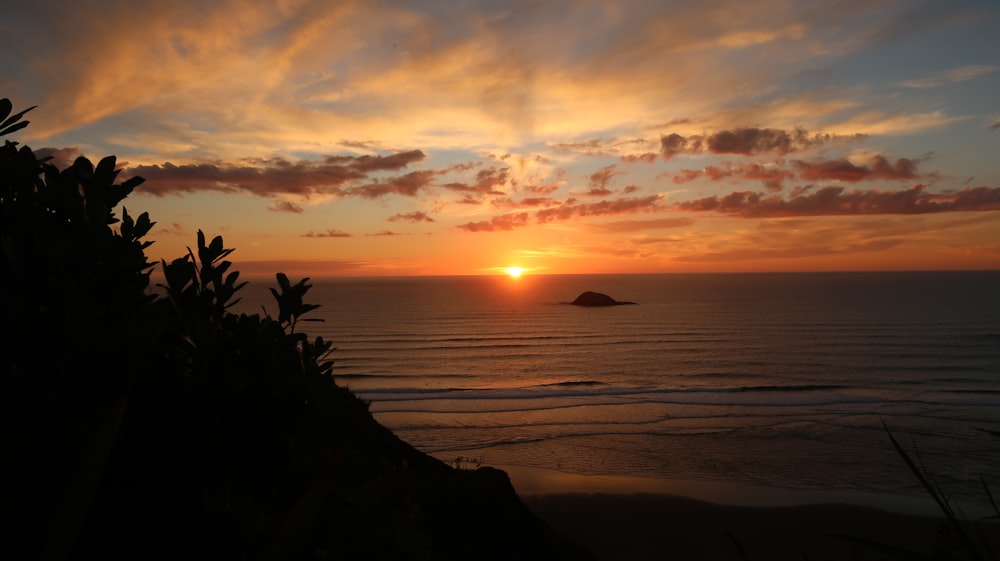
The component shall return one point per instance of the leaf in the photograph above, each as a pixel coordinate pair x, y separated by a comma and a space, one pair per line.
132, 183
16, 118
5, 108
127, 228
283, 281
143, 225
105, 172
14, 128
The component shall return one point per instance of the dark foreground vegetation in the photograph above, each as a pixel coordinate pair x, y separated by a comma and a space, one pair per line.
157, 424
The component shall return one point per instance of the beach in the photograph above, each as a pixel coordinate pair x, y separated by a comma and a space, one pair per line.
634, 518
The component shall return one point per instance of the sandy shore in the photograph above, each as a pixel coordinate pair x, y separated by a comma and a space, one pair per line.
623, 518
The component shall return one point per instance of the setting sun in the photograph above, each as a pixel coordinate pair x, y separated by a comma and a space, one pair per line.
515, 272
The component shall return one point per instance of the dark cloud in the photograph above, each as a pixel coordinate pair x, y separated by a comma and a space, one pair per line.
331, 233
393, 162
385, 233
408, 185
843, 170
632, 189
411, 217
772, 177
504, 222
487, 181
285, 206
571, 208
995, 125
267, 177
834, 201
749, 141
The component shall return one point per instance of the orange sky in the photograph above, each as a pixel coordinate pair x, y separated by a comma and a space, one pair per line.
395, 138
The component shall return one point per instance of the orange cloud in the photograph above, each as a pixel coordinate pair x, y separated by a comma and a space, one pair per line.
285, 206
599, 181
834, 201
505, 222
640, 225
418, 216
331, 233
571, 208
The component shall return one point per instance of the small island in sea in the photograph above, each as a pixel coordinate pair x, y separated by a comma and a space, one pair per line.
597, 300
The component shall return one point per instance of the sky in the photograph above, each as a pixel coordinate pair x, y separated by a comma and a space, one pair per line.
457, 138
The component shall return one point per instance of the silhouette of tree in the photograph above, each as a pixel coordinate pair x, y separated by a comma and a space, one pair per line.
141, 424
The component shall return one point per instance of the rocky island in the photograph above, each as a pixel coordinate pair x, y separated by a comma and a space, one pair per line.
596, 299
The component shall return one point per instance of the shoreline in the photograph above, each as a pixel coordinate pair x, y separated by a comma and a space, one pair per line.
644, 518
535, 481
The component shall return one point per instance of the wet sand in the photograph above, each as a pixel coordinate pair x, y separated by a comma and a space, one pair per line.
622, 518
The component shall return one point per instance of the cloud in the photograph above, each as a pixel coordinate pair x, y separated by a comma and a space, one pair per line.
543, 189
750, 141
772, 177
385, 233
995, 125
266, 177
175, 229
504, 222
795, 252
602, 147
408, 185
641, 225
59, 157
487, 181
599, 180
417, 216
368, 164
834, 201
571, 208
960, 74
646, 157
843, 170
331, 233
527, 202
280, 205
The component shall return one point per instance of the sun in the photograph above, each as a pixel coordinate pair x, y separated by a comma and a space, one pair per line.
515, 272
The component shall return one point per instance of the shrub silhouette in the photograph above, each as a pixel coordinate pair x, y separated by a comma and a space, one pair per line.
147, 425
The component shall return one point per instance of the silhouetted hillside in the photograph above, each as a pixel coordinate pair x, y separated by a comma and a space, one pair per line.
144, 426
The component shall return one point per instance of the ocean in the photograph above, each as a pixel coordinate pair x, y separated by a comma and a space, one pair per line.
773, 380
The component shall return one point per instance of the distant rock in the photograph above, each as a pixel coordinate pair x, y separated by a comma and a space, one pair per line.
595, 299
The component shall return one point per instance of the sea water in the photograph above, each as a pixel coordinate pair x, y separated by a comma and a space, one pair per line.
777, 380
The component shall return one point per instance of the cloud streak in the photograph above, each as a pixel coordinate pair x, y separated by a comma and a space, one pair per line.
836, 201
265, 177
331, 233
750, 141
